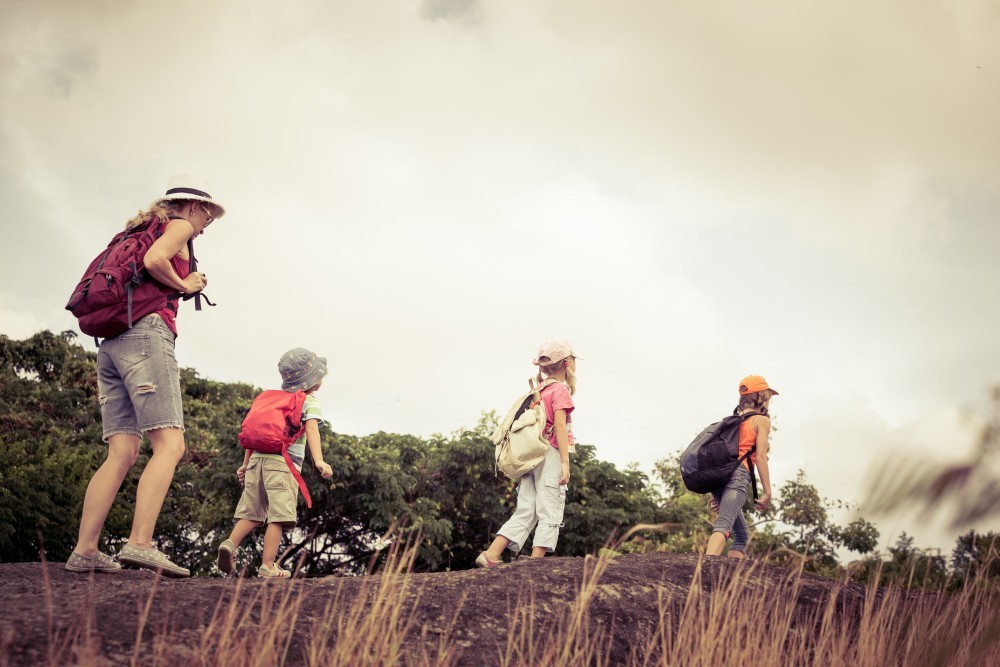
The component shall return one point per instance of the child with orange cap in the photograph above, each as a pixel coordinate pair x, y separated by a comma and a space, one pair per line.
755, 394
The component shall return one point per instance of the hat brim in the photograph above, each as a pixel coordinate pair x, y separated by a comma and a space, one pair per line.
537, 362
218, 210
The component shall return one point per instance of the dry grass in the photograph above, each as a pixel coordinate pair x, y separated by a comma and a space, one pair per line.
742, 617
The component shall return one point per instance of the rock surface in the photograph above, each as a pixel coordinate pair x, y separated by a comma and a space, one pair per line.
48, 612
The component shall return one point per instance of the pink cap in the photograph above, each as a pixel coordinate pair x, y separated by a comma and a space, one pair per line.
551, 351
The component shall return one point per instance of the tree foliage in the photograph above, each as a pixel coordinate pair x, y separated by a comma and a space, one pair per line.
385, 486
444, 488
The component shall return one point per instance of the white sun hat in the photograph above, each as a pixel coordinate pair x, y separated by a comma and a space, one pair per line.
192, 186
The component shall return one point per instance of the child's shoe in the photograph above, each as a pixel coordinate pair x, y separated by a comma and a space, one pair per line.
265, 572
484, 561
227, 555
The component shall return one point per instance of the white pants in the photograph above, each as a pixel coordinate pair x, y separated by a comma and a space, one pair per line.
540, 501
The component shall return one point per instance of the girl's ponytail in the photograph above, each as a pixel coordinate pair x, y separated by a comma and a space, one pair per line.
755, 402
549, 369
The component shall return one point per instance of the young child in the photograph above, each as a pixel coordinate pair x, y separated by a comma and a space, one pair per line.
541, 494
269, 490
728, 500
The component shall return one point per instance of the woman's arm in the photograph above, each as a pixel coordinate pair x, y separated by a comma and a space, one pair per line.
763, 426
562, 439
157, 258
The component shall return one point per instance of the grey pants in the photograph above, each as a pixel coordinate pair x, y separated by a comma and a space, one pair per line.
731, 498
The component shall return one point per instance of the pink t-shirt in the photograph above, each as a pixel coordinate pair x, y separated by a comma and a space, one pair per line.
556, 397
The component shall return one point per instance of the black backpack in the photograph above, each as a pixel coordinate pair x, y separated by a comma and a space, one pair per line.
712, 457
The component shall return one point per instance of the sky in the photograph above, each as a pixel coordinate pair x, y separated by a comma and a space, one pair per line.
423, 192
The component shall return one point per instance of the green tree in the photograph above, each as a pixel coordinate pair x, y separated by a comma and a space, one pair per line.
976, 556
444, 488
49, 427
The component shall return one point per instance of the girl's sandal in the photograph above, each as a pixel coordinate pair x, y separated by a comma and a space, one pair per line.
484, 561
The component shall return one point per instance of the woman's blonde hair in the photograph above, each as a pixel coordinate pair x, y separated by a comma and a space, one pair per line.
755, 402
161, 210
549, 369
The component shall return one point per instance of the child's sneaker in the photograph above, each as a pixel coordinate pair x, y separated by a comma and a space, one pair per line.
227, 555
150, 558
265, 572
484, 561
99, 562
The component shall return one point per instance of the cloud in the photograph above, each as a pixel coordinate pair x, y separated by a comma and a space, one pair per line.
466, 11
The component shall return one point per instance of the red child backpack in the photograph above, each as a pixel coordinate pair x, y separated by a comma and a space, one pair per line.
273, 424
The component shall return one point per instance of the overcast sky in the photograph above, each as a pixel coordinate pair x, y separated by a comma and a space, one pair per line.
423, 191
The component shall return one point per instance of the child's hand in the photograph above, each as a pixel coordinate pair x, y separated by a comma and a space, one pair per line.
325, 471
763, 502
564, 478
241, 474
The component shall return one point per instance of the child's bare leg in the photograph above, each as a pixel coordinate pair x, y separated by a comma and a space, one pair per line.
716, 543
272, 540
733, 553
495, 552
242, 528
539, 552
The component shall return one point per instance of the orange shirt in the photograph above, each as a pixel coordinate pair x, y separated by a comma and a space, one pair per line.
748, 438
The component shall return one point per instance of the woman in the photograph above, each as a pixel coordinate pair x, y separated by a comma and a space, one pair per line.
139, 389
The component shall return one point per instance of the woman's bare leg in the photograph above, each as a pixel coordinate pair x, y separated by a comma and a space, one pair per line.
168, 448
102, 489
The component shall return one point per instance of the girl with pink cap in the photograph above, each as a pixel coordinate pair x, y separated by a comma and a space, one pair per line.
541, 493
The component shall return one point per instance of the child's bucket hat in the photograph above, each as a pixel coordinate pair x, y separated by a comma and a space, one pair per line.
301, 369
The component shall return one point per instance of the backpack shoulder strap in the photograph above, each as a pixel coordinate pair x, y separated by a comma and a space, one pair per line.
746, 457
536, 391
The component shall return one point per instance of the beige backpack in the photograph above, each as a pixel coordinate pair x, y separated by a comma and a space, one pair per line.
520, 438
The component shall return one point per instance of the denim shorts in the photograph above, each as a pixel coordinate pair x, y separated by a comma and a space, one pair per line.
138, 382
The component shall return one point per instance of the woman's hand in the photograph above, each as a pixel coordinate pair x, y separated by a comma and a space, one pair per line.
195, 282
564, 479
714, 504
241, 474
763, 502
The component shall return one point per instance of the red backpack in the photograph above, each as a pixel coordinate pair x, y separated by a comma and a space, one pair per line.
273, 424
116, 290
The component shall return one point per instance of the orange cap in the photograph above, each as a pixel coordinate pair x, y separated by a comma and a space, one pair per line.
751, 384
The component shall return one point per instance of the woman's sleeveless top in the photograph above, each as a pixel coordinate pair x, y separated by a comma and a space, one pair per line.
169, 314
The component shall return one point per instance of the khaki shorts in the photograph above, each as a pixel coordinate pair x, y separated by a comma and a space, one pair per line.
269, 493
